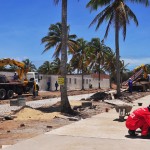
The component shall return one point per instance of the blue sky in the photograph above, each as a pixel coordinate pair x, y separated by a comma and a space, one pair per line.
23, 23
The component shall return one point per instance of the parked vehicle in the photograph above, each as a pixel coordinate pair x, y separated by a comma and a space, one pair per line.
22, 85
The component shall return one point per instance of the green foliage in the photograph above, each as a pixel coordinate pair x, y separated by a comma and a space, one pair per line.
54, 39
29, 64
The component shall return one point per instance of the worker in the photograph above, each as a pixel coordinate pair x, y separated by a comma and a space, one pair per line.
15, 76
130, 85
56, 86
48, 85
139, 118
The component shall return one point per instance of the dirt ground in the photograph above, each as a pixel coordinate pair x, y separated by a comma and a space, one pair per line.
45, 119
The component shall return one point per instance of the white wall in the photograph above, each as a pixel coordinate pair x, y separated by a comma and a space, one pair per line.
74, 82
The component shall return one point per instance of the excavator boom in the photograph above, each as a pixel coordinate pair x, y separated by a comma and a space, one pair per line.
22, 69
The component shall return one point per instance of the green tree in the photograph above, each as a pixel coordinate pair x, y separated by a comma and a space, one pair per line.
45, 68
123, 70
110, 63
54, 39
29, 64
97, 56
80, 57
56, 66
118, 14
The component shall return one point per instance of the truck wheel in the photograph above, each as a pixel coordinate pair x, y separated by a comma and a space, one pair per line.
2, 93
19, 91
10, 94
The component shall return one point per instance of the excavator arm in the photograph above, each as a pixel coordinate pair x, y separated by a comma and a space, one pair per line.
22, 69
144, 68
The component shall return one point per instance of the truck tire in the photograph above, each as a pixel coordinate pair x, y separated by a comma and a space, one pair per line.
10, 94
19, 91
2, 94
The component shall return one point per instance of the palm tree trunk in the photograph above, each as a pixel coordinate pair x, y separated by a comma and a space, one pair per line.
82, 76
65, 105
117, 54
99, 76
110, 80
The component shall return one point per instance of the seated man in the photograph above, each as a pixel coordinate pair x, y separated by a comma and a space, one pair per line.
139, 118
15, 76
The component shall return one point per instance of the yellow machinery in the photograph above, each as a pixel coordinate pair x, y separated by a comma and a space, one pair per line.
144, 68
22, 86
22, 69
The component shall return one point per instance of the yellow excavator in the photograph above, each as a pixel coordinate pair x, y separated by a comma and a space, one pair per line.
22, 69
144, 69
140, 78
22, 85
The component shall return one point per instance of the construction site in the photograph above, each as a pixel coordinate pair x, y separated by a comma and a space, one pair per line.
28, 110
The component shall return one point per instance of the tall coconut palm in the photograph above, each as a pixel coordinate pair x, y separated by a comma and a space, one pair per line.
80, 57
54, 39
98, 53
65, 105
110, 63
118, 14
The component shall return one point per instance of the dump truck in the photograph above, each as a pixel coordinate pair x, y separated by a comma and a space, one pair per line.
20, 86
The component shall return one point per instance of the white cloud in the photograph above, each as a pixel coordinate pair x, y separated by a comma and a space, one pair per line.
134, 62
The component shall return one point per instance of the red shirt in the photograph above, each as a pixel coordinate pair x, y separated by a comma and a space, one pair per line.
139, 118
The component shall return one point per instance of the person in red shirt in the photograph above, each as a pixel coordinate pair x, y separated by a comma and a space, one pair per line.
139, 118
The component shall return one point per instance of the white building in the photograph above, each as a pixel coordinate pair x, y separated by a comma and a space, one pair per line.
74, 82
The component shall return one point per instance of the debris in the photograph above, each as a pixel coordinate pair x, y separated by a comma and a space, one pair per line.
49, 126
22, 125
86, 104
100, 96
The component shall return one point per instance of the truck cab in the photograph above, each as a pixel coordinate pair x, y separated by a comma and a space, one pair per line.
34, 76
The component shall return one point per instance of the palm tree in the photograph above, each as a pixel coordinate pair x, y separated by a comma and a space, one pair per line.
123, 69
29, 64
65, 105
56, 66
70, 68
118, 14
98, 53
110, 63
46, 68
80, 57
54, 38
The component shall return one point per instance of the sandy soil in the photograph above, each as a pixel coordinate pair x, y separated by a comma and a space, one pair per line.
48, 118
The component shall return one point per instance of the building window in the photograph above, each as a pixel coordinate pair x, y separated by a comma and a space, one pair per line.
70, 80
75, 81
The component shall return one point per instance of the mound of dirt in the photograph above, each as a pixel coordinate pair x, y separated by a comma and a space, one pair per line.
32, 114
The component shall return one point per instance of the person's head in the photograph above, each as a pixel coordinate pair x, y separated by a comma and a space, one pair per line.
130, 79
148, 107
